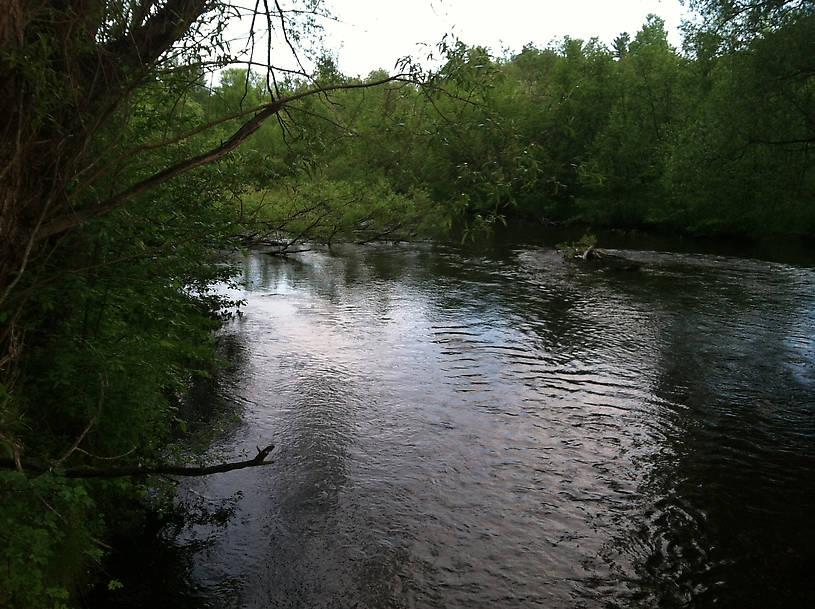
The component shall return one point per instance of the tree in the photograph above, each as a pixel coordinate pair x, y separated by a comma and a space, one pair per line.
735, 23
75, 77
746, 133
621, 174
71, 73
106, 258
620, 45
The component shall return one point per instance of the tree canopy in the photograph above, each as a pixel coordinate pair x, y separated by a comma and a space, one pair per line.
107, 258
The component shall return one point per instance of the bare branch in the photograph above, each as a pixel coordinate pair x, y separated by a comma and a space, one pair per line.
285, 32
79, 217
103, 382
38, 467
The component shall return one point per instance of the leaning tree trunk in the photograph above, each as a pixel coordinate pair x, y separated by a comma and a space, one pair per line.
65, 67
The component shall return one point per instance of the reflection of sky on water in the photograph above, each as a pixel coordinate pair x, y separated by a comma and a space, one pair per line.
456, 430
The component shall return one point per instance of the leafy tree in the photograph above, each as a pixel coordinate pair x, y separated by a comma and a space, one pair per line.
742, 163
620, 45
735, 23
127, 168
107, 257
621, 176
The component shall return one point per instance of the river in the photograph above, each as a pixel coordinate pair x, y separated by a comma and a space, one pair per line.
463, 427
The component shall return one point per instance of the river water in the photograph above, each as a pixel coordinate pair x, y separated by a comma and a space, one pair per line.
501, 428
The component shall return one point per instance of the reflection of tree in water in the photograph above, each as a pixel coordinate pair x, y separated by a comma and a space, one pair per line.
209, 408
145, 557
152, 570
311, 546
730, 494
730, 477
304, 563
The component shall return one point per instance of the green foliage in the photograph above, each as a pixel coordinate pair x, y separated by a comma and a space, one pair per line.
620, 178
42, 521
115, 584
740, 160
735, 24
118, 318
328, 210
634, 136
640, 136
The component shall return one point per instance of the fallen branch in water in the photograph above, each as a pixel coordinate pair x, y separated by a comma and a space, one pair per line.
584, 248
38, 467
284, 252
591, 252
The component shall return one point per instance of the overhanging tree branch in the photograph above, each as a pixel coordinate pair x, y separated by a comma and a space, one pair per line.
39, 467
81, 216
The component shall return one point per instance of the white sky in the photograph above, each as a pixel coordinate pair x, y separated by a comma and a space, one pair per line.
373, 34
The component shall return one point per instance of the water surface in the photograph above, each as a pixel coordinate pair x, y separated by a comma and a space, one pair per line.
505, 429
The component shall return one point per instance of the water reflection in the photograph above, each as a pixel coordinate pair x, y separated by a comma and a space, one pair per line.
457, 428
732, 503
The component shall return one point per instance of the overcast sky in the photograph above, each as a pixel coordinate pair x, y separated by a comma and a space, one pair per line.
373, 34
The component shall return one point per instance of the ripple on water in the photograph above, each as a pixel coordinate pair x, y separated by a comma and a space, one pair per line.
462, 431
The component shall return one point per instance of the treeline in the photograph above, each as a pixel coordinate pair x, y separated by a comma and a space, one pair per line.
714, 139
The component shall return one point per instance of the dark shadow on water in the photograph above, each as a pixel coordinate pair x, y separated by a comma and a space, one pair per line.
153, 572
146, 561
727, 518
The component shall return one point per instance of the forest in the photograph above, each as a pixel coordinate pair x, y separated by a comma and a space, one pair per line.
137, 150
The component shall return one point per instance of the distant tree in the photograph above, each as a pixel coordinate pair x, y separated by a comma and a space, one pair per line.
746, 132
622, 170
620, 45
